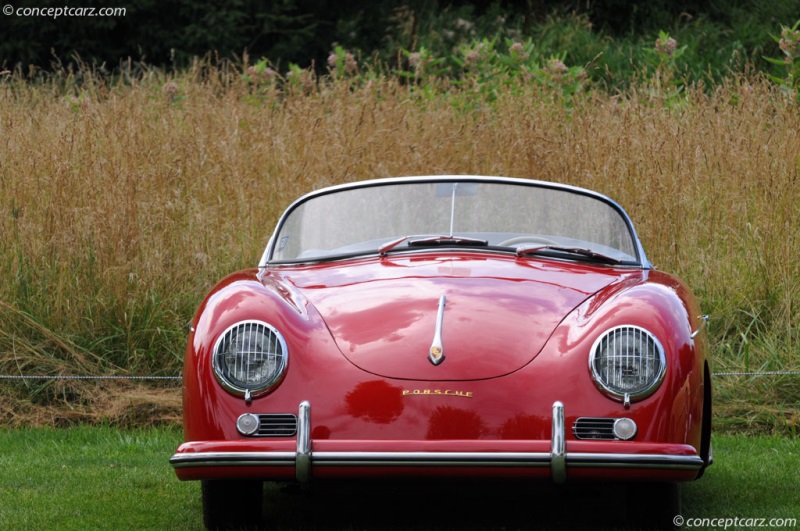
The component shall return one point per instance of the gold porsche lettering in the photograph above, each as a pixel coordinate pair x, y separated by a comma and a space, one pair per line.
437, 392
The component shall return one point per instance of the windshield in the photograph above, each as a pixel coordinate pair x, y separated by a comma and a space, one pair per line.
403, 215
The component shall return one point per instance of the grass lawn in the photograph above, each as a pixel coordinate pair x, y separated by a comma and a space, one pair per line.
93, 478
102, 478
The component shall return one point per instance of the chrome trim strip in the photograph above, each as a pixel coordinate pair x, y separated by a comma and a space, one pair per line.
436, 352
441, 459
558, 446
303, 459
702, 325
674, 462
211, 459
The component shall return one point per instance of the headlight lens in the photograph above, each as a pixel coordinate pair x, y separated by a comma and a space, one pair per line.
250, 358
627, 363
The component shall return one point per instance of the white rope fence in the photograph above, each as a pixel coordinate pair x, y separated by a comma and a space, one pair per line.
67, 377
763, 373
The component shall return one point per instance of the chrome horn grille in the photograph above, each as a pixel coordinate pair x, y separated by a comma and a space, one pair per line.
594, 428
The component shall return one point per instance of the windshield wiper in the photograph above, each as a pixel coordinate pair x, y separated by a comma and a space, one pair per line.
435, 241
432, 241
554, 250
388, 246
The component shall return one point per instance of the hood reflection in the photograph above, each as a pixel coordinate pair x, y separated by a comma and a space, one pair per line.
375, 401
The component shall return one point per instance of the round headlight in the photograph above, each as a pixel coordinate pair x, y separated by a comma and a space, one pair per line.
627, 363
249, 358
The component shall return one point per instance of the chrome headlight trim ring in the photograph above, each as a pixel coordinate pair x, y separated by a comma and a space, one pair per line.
276, 353
655, 362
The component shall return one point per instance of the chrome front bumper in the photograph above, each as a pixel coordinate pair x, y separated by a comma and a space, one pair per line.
303, 459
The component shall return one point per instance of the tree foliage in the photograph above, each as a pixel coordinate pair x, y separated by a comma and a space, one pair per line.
171, 32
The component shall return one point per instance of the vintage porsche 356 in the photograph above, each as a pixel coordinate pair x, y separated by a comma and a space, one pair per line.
446, 326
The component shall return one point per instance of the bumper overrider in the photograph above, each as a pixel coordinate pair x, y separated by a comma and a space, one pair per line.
297, 460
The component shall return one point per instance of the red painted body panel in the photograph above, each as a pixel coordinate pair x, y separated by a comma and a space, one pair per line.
499, 312
517, 339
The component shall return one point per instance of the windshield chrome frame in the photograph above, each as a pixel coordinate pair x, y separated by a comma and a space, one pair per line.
641, 262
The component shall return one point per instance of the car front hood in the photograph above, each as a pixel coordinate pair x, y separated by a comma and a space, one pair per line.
499, 312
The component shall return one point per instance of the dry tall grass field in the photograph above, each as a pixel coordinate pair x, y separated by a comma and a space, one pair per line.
121, 203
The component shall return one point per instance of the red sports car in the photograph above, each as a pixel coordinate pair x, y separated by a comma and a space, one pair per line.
448, 326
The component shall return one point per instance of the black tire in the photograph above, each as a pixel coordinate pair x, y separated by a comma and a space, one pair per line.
705, 439
232, 504
654, 505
